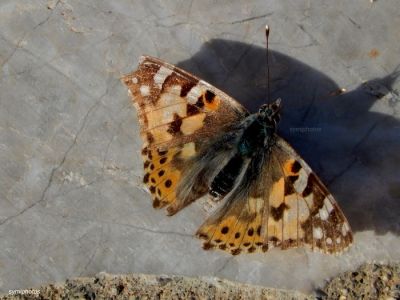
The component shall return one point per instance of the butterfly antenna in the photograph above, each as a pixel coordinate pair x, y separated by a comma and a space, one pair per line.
266, 52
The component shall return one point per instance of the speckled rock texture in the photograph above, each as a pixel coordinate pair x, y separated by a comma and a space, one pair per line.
72, 203
106, 286
370, 281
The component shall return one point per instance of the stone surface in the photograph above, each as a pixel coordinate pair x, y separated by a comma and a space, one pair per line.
71, 199
370, 281
140, 286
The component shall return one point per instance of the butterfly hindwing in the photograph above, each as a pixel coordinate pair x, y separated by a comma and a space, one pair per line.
177, 112
237, 226
320, 223
285, 206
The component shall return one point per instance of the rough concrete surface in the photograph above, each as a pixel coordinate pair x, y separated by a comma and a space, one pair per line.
71, 199
369, 281
140, 286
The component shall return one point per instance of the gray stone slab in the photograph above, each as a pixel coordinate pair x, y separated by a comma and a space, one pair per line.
71, 198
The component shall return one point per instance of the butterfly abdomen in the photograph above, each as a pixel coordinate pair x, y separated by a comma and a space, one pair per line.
251, 141
223, 183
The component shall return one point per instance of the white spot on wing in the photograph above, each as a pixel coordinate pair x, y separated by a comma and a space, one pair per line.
175, 89
192, 123
323, 214
317, 233
134, 80
161, 75
301, 183
309, 200
145, 90
328, 205
303, 210
329, 241
167, 99
194, 94
345, 229
338, 240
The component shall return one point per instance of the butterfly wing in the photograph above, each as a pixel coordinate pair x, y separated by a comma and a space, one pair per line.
285, 205
312, 216
179, 115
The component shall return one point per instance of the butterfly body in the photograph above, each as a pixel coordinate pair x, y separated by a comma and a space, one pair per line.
256, 137
198, 141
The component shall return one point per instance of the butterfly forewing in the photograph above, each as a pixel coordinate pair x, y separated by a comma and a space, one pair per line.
178, 114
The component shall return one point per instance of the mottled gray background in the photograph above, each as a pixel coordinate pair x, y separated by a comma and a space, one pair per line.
71, 198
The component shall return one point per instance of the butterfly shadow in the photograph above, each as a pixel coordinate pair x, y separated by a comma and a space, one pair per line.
354, 150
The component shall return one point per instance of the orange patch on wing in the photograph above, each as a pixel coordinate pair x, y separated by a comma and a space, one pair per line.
237, 235
168, 186
210, 101
291, 167
287, 166
276, 197
158, 134
252, 236
165, 115
188, 150
160, 176
274, 231
213, 105
224, 230
192, 123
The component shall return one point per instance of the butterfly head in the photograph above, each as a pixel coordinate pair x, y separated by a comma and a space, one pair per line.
269, 113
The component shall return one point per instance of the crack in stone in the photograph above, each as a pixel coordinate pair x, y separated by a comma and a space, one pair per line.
189, 10
252, 18
309, 107
152, 230
314, 41
239, 60
51, 177
13, 52
223, 266
97, 180
109, 144
342, 172
367, 134
354, 23
93, 253
212, 23
186, 235
18, 45
354, 160
175, 24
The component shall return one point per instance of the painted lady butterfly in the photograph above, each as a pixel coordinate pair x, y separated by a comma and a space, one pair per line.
198, 141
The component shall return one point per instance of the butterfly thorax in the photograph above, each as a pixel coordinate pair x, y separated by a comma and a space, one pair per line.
258, 134
259, 129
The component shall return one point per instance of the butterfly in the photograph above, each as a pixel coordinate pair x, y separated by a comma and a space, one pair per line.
199, 141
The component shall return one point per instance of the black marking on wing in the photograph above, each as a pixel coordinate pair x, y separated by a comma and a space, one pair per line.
224, 181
